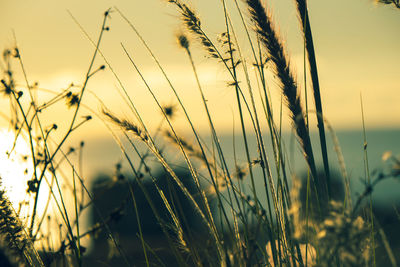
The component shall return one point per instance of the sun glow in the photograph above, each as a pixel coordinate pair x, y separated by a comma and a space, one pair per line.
15, 166
16, 172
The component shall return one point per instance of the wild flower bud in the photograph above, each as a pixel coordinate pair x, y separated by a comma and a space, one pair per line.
16, 53
183, 41
6, 53
146, 169
118, 166
72, 99
169, 110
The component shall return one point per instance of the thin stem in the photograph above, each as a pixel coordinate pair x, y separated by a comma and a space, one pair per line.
368, 177
302, 11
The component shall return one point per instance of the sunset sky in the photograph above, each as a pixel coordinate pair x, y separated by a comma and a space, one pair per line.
357, 47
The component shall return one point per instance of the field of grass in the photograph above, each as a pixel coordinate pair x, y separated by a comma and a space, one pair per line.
184, 201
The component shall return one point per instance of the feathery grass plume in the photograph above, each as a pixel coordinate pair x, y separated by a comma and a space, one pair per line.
219, 177
13, 238
126, 125
11, 231
229, 50
183, 41
396, 3
195, 152
193, 24
302, 11
269, 38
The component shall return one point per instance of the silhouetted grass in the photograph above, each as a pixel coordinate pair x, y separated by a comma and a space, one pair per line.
209, 214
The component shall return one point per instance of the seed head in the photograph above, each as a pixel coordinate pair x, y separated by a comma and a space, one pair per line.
183, 41
72, 99
16, 53
170, 111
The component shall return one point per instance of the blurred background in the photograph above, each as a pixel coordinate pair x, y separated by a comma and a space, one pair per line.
357, 55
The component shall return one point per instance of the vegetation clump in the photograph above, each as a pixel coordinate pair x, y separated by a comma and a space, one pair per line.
183, 200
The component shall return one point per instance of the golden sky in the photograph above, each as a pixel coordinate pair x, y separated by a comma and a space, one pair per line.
357, 47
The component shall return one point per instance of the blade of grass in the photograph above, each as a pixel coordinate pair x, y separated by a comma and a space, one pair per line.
302, 11
368, 181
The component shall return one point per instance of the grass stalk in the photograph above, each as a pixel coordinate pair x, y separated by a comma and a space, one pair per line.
368, 182
302, 11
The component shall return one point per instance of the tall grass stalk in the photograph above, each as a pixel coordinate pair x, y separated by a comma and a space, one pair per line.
367, 178
273, 45
149, 141
70, 130
152, 146
302, 11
